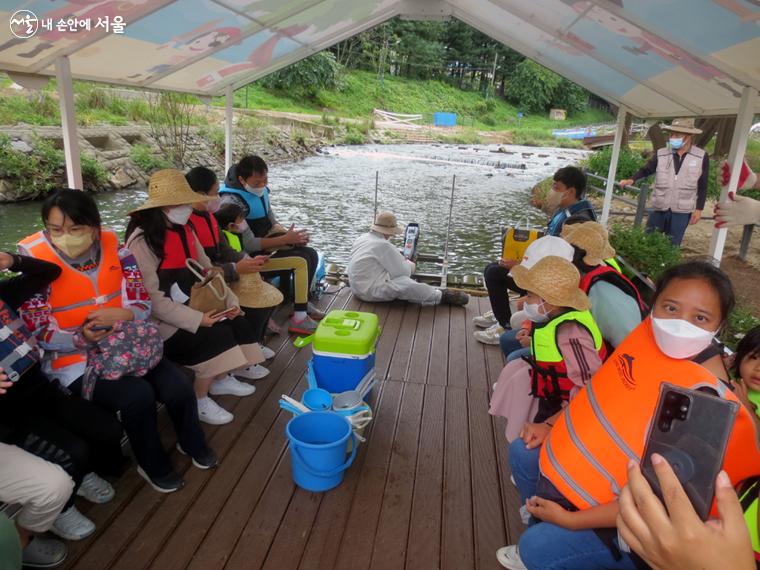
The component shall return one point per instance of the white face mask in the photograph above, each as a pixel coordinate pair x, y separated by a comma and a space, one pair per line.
213, 205
241, 227
258, 191
179, 214
680, 339
533, 312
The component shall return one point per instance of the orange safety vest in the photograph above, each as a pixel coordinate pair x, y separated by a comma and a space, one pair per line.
75, 294
586, 453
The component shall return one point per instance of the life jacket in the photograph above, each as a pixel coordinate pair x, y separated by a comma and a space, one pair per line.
549, 378
18, 348
612, 262
558, 219
179, 245
206, 228
258, 209
748, 496
585, 456
609, 275
233, 240
75, 294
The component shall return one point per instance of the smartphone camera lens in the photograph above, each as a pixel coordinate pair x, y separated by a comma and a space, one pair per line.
665, 425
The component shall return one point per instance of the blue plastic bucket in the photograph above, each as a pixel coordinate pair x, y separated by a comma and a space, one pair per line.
318, 449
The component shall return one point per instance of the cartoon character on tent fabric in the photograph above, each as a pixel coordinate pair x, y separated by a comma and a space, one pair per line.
81, 10
646, 42
570, 44
740, 8
191, 44
258, 58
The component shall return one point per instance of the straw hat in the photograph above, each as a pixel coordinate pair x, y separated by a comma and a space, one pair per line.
385, 223
555, 280
682, 126
591, 237
252, 291
169, 187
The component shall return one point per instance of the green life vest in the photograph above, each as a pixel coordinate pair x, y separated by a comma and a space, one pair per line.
549, 371
612, 262
233, 240
749, 500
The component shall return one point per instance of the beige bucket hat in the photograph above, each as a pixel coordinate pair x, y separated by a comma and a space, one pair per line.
685, 125
591, 237
555, 280
385, 223
252, 291
169, 187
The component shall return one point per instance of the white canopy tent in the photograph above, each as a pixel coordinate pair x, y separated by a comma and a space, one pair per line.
652, 58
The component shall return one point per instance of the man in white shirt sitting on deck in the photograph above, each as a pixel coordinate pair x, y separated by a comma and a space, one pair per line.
378, 272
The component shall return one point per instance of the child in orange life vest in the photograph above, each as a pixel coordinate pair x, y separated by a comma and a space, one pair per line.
747, 371
566, 348
584, 459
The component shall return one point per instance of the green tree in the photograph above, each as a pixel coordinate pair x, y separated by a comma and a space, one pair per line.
306, 77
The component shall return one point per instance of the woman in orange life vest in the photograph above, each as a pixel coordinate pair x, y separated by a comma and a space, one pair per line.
213, 346
234, 263
100, 285
566, 349
584, 458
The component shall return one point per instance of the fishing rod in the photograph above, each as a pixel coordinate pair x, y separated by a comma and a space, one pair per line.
445, 267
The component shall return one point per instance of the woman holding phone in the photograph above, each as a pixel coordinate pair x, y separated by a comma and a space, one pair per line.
217, 346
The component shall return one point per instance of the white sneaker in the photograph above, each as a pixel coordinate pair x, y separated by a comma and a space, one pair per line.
72, 525
212, 413
232, 386
490, 335
267, 352
509, 557
255, 372
485, 320
95, 489
524, 515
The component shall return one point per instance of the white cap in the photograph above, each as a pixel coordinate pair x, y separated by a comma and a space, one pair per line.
544, 247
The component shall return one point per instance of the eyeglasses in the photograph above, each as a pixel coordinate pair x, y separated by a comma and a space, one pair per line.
74, 231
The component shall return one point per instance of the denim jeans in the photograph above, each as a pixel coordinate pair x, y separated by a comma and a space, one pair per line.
523, 463
672, 224
546, 546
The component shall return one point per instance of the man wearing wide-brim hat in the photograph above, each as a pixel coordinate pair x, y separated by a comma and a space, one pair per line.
378, 272
680, 183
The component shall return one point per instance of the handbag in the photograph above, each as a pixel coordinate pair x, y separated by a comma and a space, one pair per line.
133, 348
18, 347
210, 293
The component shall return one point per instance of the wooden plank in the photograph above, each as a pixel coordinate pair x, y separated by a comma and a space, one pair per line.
457, 549
457, 363
290, 541
388, 337
476, 359
393, 525
438, 367
494, 362
403, 349
424, 546
327, 531
420, 357
510, 497
488, 516
359, 532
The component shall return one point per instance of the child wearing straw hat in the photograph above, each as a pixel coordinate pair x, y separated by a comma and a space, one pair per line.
616, 304
213, 345
566, 350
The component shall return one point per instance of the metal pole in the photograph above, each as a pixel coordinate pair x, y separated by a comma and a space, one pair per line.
445, 268
228, 100
68, 123
377, 178
622, 111
735, 157
641, 206
746, 239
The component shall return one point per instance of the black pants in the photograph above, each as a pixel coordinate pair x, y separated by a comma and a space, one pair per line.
499, 284
258, 319
312, 259
136, 399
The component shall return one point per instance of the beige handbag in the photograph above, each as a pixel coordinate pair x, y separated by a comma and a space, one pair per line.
210, 293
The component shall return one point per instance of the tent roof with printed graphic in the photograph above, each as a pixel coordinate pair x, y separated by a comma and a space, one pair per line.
659, 58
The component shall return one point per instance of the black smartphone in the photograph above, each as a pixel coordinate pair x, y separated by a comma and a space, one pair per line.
690, 429
101, 328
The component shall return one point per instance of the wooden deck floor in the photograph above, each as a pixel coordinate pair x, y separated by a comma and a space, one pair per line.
430, 488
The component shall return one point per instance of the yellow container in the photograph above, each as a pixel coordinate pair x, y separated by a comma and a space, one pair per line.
516, 241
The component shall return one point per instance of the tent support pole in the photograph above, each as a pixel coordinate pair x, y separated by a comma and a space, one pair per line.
610, 187
735, 157
228, 100
68, 123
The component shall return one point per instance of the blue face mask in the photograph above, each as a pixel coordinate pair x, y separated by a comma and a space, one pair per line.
675, 144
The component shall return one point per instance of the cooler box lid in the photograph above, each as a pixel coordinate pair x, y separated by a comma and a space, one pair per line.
347, 332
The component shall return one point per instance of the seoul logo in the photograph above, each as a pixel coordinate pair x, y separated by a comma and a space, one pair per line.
24, 24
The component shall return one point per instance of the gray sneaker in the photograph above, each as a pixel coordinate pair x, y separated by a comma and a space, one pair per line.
44, 553
449, 297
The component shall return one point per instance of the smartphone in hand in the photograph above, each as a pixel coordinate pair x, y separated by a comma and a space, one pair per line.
224, 314
690, 429
101, 328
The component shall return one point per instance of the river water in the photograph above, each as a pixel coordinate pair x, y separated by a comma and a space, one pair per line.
332, 195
